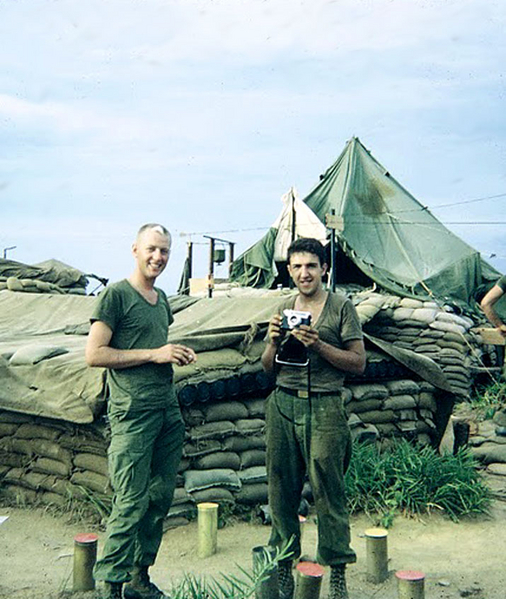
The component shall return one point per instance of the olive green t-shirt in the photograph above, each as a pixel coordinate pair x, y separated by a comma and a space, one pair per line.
338, 323
136, 324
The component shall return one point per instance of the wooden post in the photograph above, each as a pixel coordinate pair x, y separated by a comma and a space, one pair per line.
85, 556
207, 529
377, 554
410, 584
309, 580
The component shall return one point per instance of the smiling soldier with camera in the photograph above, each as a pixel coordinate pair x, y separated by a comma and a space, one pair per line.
311, 347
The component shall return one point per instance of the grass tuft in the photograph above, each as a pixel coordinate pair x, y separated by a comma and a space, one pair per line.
414, 480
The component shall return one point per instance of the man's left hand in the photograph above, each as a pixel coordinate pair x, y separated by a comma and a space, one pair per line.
306, 335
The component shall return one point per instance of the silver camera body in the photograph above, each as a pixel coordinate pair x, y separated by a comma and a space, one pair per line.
292, 319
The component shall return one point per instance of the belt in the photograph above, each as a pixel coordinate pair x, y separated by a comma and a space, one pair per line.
303, 393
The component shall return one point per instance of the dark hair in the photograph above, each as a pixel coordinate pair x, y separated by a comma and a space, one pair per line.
307, 245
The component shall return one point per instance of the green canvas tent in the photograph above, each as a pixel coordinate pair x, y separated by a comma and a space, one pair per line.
387, 234
390, 236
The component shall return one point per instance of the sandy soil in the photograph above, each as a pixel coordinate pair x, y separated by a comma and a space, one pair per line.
459, 560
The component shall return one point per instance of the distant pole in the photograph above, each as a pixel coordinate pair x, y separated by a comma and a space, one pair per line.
231, 245
12, 247
189, 256
211, 267
333, 255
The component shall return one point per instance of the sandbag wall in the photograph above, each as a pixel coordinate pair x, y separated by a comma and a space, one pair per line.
431, 330
52, 461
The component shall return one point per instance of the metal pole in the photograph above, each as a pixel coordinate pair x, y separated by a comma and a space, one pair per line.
333, 270
190, 259
211, 267
230, 256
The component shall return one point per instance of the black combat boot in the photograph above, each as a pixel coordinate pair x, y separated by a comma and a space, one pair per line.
286, 582
338, 588
112, 590
141, 587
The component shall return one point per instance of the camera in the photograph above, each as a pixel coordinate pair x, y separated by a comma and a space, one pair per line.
292, 319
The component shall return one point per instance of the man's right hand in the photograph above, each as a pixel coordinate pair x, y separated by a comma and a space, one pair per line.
175, 354
502, 330
274, 331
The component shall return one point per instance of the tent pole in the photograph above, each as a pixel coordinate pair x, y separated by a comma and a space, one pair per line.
333, 273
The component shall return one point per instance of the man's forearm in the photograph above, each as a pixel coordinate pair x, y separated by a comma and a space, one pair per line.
347, 360
492, 316
109, 357
268, 357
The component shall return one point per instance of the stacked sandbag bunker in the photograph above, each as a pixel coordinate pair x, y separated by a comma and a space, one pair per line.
46, 457
432, 330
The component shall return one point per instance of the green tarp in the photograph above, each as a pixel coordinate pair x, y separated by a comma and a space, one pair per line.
387, 234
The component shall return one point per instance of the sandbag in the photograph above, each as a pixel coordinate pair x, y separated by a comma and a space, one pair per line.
213, 494
372, 391
197, 480
251, 426
50, 466
365, 405
219, 459
193, 450
90, 461
33, 354
402, 387
253, 457
254, 474
37, 431
225, 410
92, 480
212, 430
240, 444
252, 494
399, 402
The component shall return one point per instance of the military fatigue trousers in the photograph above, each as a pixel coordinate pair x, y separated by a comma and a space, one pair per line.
144, 455
309, 436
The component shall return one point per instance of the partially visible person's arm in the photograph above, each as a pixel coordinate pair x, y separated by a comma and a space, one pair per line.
99, 353
487, 305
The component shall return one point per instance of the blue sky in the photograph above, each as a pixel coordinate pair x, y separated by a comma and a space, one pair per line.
201, 114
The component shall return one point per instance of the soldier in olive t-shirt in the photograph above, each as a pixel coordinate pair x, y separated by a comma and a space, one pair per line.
128, 336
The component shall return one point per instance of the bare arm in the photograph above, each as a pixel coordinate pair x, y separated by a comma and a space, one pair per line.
351, 358
99, 353
487, 305
274, 334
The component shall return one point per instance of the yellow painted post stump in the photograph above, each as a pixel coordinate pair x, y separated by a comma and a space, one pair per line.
410, 584
207, 528
309, 580
85, 556
377, 555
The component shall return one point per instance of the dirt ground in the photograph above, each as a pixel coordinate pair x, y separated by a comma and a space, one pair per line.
459, 560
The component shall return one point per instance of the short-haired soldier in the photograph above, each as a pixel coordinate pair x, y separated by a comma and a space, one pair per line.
307, 430
128, 336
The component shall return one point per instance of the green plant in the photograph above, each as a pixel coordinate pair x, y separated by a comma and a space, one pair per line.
227, 586
490, 399
414, 480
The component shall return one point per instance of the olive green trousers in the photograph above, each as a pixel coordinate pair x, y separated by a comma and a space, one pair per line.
309, 437
144, 455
